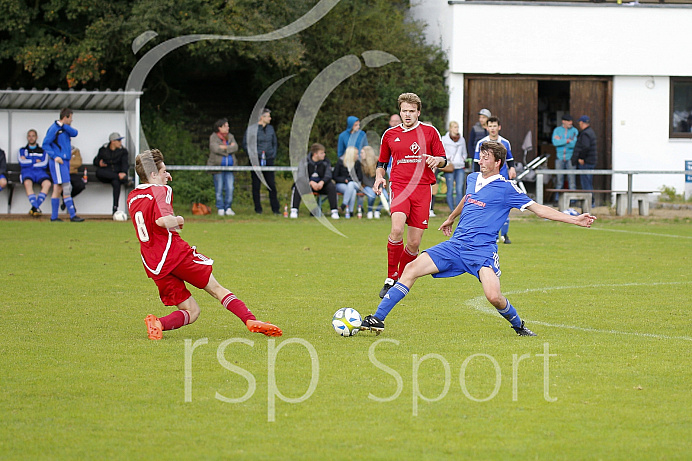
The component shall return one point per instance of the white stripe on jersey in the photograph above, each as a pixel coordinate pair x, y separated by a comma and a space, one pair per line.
163, 258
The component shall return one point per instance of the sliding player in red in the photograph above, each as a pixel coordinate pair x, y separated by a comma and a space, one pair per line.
169, 260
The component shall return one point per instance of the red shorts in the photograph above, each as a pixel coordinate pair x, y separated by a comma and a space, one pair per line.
195, 269
413, 201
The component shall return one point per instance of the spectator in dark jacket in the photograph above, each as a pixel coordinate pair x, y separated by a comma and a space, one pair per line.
111, 164
585, 154
3, 169
478, 131
317, 171
263, 149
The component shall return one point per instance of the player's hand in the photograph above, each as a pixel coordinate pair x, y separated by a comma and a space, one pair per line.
58, 160
512, 173
585, 220
431, 161
379, 184
447, 227
102, 164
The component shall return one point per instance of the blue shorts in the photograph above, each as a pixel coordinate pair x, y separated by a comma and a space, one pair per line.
60, 172
37, 175
452, 259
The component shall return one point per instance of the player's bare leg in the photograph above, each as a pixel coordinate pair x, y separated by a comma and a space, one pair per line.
238, 307
492, 291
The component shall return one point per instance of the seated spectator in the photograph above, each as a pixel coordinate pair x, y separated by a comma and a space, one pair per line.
3, 170
34, 169
369, 167
348, 176
111, 164
77, 179
222, 148
317, 171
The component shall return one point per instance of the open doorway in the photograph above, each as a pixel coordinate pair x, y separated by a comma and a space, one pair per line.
553, 103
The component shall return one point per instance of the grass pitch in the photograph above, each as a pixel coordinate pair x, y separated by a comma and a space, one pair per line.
608, 377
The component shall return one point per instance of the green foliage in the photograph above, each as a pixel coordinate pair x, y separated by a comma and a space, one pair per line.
669, 194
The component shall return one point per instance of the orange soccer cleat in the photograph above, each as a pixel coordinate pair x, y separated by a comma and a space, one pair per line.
265, 328
154, 327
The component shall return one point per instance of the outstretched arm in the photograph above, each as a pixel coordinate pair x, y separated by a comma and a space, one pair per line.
542, 211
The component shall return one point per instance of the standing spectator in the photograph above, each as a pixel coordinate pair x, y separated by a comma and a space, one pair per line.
352, 136
265, 150
317, 171
585, 154
369, 164
111, 164
222, 148
415, 149
34, 169
564, 139
455, 149
479, 130
58, 145
348, 176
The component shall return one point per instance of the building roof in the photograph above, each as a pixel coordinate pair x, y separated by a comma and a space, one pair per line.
57, 99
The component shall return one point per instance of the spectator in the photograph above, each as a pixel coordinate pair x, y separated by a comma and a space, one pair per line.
34, 169
348, 176
479, 130
111, 164
58, 146
455, 150
352, 136
77, 179
394, 120
564, 139
222, 148
317, 171
3, 170
264, 150
369, 165
585, 154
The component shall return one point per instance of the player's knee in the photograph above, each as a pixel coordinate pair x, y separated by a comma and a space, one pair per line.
496, 299
67, 189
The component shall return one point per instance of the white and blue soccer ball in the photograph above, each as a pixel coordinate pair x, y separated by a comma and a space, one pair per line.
120, 216
571, 212
346, 321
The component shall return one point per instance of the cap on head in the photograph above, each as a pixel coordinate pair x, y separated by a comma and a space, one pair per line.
115, 137
567, 118
485, 112
585, 119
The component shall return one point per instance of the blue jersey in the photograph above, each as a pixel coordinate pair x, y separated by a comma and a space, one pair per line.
488, 202
477, 154
33, 158
57, 142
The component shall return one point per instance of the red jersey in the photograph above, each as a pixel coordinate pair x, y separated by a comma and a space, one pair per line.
162, 249
406, 148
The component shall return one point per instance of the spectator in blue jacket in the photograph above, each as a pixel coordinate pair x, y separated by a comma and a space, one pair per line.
564, 140
352, 136
264, 149
58, 145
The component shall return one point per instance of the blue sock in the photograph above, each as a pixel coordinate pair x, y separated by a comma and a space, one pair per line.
32, 200
393, 296
70, 206
41, 198
510, 313
55, 206
505, 228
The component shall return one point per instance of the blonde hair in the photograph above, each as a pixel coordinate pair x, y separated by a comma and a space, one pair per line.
369, 161
453, 122
411, 98
349, 158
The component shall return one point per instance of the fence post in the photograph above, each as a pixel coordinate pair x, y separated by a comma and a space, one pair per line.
629, 194
539, 188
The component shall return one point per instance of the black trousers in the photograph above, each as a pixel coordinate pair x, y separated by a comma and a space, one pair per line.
111, 177
329, 190
271, 183
77, 184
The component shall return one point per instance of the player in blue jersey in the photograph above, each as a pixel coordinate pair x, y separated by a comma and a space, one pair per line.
507, 169
472, 247
34, 170
58, 145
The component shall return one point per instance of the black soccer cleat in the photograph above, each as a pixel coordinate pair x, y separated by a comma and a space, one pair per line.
76, 218
523, 331
388, 283
507, 240
371, 322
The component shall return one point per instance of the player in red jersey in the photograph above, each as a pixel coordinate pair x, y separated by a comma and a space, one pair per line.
416, 150
169, 260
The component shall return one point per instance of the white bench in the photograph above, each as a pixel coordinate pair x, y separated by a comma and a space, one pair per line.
584, 197
640, 199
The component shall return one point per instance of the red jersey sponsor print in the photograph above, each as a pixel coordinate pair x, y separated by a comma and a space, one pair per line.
406, 148
161, 249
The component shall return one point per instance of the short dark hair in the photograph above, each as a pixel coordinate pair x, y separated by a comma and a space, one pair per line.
64, 113
497, 149
35, 132
315, 148
493, 118
219, 123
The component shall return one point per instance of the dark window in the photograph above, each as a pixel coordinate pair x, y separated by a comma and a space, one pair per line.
680, 107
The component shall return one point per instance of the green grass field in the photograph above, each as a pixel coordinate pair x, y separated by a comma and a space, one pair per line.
611, 304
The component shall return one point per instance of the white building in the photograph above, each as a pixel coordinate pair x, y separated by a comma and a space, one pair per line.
626, 66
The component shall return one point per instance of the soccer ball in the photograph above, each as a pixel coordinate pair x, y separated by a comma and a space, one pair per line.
346, 321
571, 212
119, 216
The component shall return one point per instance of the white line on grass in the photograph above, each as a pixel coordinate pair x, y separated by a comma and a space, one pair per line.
643, 233
481, 304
